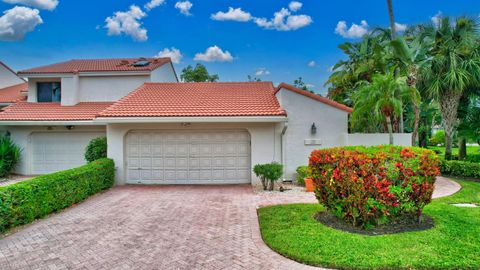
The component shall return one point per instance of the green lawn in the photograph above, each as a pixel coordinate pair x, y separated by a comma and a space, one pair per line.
470, 149
454, 242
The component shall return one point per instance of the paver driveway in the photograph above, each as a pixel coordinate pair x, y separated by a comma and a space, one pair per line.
152, 227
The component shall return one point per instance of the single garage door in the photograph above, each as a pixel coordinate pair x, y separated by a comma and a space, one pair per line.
188, 157
58, 151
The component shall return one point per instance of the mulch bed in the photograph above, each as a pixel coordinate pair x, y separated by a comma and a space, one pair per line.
397, 226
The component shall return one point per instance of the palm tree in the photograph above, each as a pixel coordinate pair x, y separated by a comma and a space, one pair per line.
413, 59
384, 96
455, 66
392, 18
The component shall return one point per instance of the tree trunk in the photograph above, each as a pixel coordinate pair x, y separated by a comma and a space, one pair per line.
462, 148
401, 125
390, 130
448, 108
392, 18
416, 124
271, 184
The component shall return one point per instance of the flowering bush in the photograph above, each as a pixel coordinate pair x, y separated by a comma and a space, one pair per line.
367, 186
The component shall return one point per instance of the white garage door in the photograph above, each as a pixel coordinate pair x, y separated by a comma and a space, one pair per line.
188, 157
57, 151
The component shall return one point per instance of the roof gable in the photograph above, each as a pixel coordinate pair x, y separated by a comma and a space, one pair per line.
314, 96
13, 93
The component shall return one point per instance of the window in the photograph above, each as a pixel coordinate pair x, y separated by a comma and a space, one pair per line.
48, 92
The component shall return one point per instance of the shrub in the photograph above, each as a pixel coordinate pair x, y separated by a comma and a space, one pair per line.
473, 158
368, 186
268, 173
9, 156
438, 138
26, 201
96, 149
460, 168
302, 173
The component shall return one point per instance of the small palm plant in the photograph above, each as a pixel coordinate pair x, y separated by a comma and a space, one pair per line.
9, 156
382, 98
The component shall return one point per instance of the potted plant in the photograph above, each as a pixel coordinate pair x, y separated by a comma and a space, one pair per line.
309, 184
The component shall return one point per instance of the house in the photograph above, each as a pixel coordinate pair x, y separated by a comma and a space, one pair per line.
160, 131
12, 87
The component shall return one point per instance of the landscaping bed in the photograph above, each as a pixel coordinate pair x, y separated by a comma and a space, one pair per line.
452, 243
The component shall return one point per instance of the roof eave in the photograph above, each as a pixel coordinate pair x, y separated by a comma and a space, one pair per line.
192, 119
49, 123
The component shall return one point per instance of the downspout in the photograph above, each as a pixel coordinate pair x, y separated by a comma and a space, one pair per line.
283, 153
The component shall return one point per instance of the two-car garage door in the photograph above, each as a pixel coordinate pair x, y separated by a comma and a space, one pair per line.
57, 151
188, 157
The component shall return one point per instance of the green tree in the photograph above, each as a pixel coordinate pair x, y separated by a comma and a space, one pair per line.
197, 74
300, 84
454, 67
383, 96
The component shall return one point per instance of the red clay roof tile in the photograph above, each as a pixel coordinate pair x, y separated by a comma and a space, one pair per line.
29, 111
198, 99
98, 65
13, 93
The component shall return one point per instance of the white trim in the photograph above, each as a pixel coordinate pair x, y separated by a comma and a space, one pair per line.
225, 119
50, 123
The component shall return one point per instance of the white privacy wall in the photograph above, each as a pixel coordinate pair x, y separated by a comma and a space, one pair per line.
371, 139
298, 142
8, 78
265, 141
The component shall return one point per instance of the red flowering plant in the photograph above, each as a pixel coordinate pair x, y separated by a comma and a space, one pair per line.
368, 186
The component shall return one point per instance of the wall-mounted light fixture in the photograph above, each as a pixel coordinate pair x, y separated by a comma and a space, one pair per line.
69, 127
186, 124
313, 129
8, 134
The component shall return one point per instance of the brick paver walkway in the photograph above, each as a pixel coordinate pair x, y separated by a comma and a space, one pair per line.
153, 227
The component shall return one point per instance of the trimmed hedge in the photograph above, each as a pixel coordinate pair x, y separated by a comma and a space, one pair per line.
96, 149
368, 186
460, 168
26, 201
302, 173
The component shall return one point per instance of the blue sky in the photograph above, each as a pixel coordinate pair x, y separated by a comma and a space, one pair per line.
78, 29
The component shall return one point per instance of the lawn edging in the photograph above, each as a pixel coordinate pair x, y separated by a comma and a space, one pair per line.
23, 202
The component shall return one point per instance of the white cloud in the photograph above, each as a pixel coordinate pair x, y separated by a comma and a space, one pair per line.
17, 22
295, 5
127, 23
214, 54
184, 7
153, 4
355, 30
173, 53
312, 63
400, 27
436, 19
262, 71
283, 20
233, 14
41, 4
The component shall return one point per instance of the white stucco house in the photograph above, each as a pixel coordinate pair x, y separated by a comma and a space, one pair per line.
161, 131
12, 87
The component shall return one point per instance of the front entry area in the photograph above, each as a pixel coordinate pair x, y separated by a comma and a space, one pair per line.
188, 157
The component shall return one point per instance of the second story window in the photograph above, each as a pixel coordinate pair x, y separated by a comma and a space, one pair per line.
48, 92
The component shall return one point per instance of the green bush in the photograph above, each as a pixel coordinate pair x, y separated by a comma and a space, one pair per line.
26, 201
302, 173
96, 149
438, 138
368, 186
460, 168
268, 173
9, 156
473, 158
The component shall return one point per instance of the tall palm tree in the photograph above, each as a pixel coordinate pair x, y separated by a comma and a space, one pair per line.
384, 96
392, 18
455, 66
413, 59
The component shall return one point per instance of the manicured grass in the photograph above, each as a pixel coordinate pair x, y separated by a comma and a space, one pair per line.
470, 149
454, 242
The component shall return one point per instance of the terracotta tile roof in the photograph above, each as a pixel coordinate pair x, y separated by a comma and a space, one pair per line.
98, 65
315, 97
29, 111
198, 99
13, 93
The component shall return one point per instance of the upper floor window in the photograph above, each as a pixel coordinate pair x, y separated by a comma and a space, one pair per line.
48, 92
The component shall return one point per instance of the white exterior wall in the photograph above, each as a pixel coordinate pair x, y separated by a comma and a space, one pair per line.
302, 112
69, 90
109, 88
165, 73
371, 139
21, 135
7, 78
265, 141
